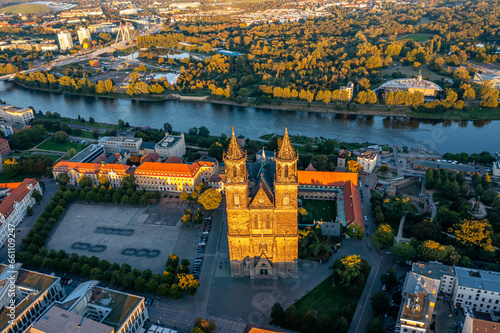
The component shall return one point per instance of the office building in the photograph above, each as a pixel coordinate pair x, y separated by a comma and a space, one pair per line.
171, 145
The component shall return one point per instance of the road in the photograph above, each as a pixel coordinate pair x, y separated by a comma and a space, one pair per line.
378, 260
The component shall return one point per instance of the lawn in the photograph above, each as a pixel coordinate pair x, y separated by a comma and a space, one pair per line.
27, 9
325, 210
326, 299
52, 157
63, 147
418, 37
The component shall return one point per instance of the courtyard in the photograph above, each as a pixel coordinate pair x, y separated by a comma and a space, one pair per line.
141, 236
325, 210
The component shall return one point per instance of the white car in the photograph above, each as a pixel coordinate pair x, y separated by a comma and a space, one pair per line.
365, 218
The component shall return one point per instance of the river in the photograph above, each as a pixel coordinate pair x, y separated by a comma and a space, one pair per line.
442, 136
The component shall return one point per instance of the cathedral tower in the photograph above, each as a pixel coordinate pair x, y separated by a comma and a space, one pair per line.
262, 225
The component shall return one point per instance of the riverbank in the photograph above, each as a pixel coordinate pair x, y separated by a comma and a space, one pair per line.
362, 110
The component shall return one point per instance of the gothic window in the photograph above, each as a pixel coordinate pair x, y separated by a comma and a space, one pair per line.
286, 171
235, 171
268, 222
264, 270
236, 200
256, 222
286, 199
263, 247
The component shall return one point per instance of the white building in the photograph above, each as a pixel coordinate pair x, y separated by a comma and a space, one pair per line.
65, 40
34, 294
368, 160
125, 312
437, 271
6, 129
476, 290
13, 114
115, 144
171, 145
83, 33
496, 169
17, 197
419, 298
130, 11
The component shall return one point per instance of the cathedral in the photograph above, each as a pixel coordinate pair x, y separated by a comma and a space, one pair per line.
261, 200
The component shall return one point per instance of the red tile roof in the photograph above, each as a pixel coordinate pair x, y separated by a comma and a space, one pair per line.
205, 163
17, 193
326, 178
151, 157
174, 159
65, 166
118, 168
167, 169
352, 205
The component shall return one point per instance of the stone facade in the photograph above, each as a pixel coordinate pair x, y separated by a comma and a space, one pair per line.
262, 226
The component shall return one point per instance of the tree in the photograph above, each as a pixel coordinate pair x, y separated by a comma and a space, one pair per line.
166, 126
354, 166
475, 233
184, 196
11, 167
375, 326
349, 271
103, 180
121, 124
401, 252
210, 199
61, 137
380, 302
216, 150
389, 279
96, 133
188, 283
383, 237
277, 314
85, 181
203, 131
37, 195
206, 325
62, 179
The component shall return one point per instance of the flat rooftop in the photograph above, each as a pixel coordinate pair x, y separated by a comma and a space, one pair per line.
477, 279
415, 306
29, 280
168, 141
448, 166
58, 320
433, 270
121, 304
84, 154
368, 155
119, 139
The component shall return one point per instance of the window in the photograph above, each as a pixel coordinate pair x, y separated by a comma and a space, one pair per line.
286, 199
237, 200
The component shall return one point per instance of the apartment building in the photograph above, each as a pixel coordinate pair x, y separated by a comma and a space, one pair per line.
368, 160
115, 144
83, 33
13, 114
419, 298
34, 294
17, 197
4, 146
65, 40
437, 271
476, 290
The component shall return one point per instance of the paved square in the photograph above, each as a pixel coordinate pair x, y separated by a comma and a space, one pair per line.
142, 237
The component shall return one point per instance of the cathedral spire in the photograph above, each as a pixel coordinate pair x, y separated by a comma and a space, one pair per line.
286, 151
234, 151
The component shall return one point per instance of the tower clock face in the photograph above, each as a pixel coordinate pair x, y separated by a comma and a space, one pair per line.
261, 200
